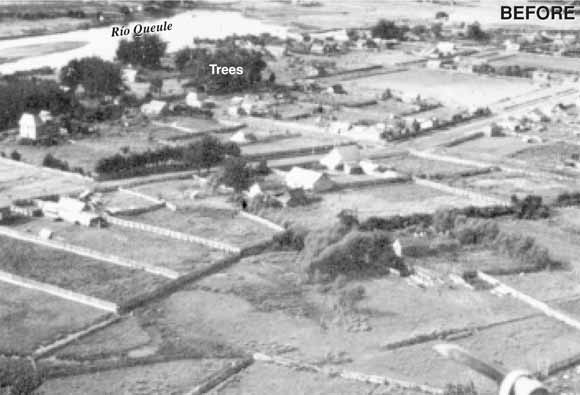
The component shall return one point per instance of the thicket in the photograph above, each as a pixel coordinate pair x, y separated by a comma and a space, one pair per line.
19, 375
568, 199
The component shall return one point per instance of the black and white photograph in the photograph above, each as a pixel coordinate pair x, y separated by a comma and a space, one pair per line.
289, 197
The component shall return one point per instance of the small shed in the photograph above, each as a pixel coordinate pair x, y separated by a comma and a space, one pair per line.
300, 178
241, 137
255, 190
129, 74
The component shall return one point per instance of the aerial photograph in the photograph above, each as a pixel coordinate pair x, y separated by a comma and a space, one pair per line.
289, 197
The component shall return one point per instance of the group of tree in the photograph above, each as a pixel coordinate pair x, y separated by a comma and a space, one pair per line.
19, 95
194, 62
475, 32
98, 77
389, 30
145, 51
202, 154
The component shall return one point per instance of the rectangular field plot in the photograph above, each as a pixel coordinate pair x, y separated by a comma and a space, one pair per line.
131, 244
387, 200
223, 225
449, 87
75, 273
31, 318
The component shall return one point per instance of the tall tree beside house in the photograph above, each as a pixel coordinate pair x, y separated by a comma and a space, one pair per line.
237, 174
97, 76
145, 51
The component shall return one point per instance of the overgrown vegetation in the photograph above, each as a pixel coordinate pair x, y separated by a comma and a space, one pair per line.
145, 51
19, 376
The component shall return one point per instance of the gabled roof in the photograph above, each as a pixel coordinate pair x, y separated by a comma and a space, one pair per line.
299, 177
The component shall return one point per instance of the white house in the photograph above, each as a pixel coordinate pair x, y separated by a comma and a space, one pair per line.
129, 74
154, 107
241, 137
71, 210
299, 178
255, 190
446, 48
369, 167
31, 126
345, 156
194, 99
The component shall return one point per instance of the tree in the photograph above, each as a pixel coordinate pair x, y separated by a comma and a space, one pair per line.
192, 156
237, 174
442, 15
145, 51
388, 30
475, 32
98, 77
211, 151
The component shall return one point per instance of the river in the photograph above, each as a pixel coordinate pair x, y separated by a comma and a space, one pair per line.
98, 41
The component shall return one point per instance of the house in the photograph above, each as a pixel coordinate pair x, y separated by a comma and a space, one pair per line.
541, 76
71, 210
31, 126
317, 49
139, 89
129, 74
344, 156
171, 87
336, 89
433, 64
299, 178
241, 137
254, 191
154, 107
277, 51
511, 47
45, 116
195, 99
446, 48
369, 167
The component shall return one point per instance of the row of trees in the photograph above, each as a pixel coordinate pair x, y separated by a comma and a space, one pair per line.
202, 154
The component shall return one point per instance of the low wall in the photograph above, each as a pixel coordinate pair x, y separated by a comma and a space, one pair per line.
57, 291
262, 221
172, 234
115, 260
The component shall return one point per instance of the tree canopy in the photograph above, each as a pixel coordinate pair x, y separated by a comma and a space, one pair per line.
388, 30
145, 51
97, 76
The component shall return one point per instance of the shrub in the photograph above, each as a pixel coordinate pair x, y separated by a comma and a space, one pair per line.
15, 155
20, 375
55, 163
531, 207
356, 255
292, 238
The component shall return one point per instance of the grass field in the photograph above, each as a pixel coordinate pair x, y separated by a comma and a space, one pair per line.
73, 272
32, 318
537, 61
145, 247
409, 164
385, 200
223, 225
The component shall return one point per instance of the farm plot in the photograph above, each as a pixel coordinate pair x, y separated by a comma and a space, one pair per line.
145, 247
175, 377
385, 200
530, 344
75, 273
451, 88
488, 148
548, 155
261, 304
416, 166
32, 318
219, 224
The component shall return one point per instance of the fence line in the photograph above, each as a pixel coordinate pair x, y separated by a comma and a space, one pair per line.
141, 195
57, 291
115, 260
173, 234
262, 221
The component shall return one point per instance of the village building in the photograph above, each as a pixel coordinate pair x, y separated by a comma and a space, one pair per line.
31, 126
71, 210
195, 99
433, 64
446, 49
299, 178
346, 157
254, 191
154, 107
129, 74
241, 137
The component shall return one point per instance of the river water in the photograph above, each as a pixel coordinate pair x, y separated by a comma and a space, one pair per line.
186, 27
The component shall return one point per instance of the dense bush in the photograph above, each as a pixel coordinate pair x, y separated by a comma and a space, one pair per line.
460, 389
531, 207
292, 238
358, 254
97, 76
